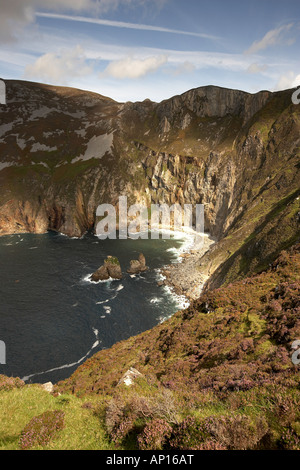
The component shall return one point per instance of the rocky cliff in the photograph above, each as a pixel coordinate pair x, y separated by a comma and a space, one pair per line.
65, 151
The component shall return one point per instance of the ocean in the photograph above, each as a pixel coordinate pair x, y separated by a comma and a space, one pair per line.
52, 317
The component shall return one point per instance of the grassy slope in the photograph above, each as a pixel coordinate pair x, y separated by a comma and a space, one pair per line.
217, 375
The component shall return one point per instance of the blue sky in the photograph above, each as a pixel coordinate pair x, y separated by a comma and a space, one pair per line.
131, 50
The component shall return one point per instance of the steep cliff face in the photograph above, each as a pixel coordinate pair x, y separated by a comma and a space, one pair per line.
64, 151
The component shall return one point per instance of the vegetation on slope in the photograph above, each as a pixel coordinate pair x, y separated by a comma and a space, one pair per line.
218, 375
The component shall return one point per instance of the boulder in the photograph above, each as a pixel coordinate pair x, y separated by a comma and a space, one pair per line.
48, 387
138, 265
110, 269
130, 376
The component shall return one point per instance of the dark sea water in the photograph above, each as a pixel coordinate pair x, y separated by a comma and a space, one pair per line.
52, 317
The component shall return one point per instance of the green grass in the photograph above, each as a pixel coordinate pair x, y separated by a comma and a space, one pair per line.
82, 430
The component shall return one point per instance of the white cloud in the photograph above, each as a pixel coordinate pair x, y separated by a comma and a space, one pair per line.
131, 67
184, 68
272, 38
257, 68
59, 68
287, 81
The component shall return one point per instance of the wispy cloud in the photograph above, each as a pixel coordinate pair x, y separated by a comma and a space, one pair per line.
272, 38
122, 24
17, 14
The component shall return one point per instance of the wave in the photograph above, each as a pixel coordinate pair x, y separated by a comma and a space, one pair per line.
67, 366
103, 302
117, 290
87, 278
155, 300
181, 301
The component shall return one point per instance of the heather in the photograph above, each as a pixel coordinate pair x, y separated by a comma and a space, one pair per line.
217, 376
223, 364
41, 429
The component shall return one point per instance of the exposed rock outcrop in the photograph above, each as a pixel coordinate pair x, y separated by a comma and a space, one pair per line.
130, 376
138, 265
234, 152
111, 269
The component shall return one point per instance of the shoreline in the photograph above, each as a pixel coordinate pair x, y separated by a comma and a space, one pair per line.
183, 277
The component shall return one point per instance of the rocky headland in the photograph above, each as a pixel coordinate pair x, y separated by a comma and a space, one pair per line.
220, 374
65, 151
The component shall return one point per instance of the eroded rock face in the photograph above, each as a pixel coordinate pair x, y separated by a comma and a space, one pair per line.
138, 265
111, 269
100, 275
63, 152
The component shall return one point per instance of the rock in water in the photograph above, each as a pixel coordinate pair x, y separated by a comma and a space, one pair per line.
100, 275
113, 267
142, 260
138, 265
110, 269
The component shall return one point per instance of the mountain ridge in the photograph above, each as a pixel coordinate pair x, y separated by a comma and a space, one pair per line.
218, 375
65, 151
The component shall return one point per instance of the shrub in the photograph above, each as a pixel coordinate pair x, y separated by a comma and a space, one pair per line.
236, 432
190, 434
124, 414
289, 440
8, 383
41, 429
154, 435
286, 407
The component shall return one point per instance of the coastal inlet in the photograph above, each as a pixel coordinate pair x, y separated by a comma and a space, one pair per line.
54, 316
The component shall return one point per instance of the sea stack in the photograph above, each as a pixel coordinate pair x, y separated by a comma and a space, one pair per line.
138, 265
111, 269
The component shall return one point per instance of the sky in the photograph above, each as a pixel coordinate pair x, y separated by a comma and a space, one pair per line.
131, 50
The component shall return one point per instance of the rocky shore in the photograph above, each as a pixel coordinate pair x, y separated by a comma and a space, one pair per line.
185, 278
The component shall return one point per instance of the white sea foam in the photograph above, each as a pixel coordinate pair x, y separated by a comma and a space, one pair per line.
103, 302
66, 366
155, 300
87, 278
